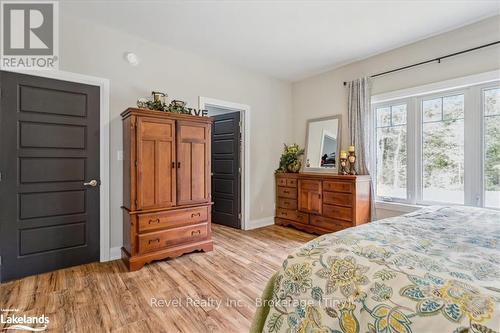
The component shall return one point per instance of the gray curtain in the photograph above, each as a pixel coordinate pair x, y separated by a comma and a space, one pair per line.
360, 120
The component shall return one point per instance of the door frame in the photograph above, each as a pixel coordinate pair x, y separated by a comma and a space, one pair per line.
103, 84
244, 111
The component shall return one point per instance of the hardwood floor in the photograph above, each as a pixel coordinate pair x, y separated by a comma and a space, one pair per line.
104, 297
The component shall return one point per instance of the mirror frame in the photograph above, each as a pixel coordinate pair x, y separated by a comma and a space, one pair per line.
339, 139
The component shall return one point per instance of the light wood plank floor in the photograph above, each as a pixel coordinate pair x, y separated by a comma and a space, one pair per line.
103, 297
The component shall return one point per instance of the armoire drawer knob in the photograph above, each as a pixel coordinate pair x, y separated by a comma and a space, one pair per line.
156, 240
155, 221
195, 214
195, 232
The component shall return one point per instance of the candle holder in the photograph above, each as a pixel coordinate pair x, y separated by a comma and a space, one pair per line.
352, 161
343, 163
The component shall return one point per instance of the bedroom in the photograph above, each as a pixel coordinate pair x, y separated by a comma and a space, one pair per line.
92, 241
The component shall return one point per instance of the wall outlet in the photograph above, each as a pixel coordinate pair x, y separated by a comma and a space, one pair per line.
119, 155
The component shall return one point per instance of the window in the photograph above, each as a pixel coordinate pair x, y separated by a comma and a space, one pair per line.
439, 148
491, 107
391, 151
443, 149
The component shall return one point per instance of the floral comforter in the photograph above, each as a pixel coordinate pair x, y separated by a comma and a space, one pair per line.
434, 270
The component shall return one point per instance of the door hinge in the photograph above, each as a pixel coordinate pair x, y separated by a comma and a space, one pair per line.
0, 260
1, 176
239, 216
239, 170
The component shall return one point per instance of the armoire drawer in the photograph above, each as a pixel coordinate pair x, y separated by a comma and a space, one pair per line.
337, 186
287, 192
337, 212
158, 240
287, 203
172, 218
336, 198
292, 215
328, 224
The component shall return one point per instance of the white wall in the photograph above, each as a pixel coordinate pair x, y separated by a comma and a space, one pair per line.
325, 95
97, 50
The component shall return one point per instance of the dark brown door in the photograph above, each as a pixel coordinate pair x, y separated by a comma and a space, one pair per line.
226, 148
155, 163
193, 162
310, 196
49, 147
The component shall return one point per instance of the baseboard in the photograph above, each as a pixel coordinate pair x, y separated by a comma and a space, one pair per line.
115, 253
263, 222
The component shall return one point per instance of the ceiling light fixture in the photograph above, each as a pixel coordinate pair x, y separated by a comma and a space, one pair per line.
132, 58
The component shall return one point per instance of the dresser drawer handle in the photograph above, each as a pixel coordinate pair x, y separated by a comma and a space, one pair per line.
286, 203
195, 232
284, 213
156, 221
156, 240
286, 192
195, 214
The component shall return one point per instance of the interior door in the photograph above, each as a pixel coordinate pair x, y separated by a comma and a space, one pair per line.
49, 164
193, 162
226, 175
156, 166
310, 196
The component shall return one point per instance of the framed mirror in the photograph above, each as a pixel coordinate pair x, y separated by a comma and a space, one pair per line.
323, 144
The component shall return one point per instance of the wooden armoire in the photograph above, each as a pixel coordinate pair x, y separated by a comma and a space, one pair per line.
166, 183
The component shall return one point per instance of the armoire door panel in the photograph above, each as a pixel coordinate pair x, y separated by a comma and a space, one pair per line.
165, 173
146, 177
155, 155
193, 162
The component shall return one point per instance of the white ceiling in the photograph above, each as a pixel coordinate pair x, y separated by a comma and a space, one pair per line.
285, 39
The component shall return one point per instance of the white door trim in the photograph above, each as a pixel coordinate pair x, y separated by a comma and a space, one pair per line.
103, 85
203, 102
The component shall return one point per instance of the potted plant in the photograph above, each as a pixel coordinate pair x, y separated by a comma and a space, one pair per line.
290, 160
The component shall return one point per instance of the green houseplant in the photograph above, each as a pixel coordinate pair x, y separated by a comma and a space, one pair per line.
290, 160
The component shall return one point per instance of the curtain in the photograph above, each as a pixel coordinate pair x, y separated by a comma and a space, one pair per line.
360, 122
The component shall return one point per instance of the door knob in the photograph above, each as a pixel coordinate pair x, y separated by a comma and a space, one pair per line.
92, 183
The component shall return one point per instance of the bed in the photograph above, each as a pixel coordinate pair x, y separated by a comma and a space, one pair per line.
434, 270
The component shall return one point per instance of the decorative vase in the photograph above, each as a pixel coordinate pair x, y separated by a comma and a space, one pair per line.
294, 167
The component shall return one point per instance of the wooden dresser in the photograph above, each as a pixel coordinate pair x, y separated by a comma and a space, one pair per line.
166, 185
322, 203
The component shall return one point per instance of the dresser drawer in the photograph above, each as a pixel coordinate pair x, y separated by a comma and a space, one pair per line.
292, 215
345, 187
155, 241
287, 203
328, 224
287, 192
337, 198
337, 212
281, 181
291, 182
172, 218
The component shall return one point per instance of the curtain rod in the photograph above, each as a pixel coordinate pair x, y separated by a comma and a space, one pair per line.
432, 60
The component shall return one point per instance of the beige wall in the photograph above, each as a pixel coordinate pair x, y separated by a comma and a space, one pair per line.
325, 95
96, 50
